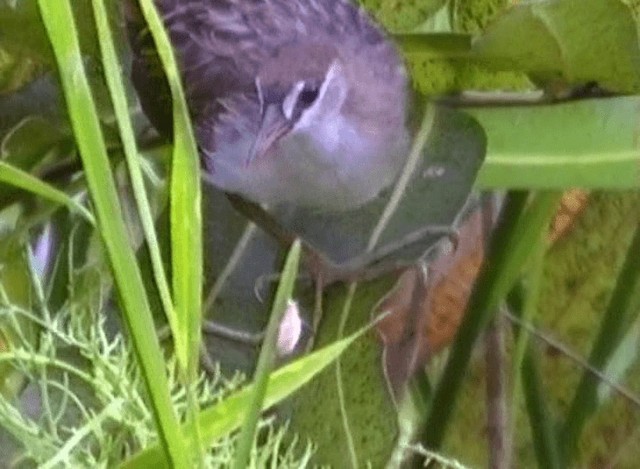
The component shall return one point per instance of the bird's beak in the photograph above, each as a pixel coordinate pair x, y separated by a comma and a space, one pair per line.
273, 126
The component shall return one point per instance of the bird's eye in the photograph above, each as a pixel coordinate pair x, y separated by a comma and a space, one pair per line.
308, 95
301, 96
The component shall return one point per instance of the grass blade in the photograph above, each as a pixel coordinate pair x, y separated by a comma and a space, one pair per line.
545, 439
23, 180
59, 22
220, 420
267, 356
113, 77
517, 232
186, 218
620, 314
526, 374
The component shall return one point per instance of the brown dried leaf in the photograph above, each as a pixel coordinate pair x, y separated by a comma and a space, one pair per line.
573, 203
427, 306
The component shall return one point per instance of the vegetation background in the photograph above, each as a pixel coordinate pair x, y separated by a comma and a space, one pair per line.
81, 258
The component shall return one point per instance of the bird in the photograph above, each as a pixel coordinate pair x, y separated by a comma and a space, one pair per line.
301, 103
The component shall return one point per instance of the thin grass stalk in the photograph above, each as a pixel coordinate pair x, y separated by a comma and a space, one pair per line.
620, 314
545, 438
186, 228
533, 280
267, 357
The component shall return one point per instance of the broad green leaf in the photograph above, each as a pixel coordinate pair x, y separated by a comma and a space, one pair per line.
567, 41
435, 45
590, 144
24, 49
403, 15
39, 100
28, 142
360, 398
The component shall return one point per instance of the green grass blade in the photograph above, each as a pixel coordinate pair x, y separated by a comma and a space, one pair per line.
545, 438
113, 77
267, 356
18, 178
221, 419
186, 219
620, 314
525, 372
59, 22
517, 232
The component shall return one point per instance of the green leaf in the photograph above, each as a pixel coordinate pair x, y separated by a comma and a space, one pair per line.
353, 415
589, 144
29, 141
24, 49
567, 41
436, 45
143, 207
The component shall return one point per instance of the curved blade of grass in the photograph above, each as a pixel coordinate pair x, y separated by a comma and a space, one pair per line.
588, 143
225, 417
621, 312
186, 219
59, 22
520, 226
267, 356
23, 180
113, 77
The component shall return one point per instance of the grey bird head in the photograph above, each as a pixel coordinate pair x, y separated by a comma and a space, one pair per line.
293, 101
